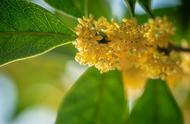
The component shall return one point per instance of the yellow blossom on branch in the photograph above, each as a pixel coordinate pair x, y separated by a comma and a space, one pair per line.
109, 45
95, 48
158, 31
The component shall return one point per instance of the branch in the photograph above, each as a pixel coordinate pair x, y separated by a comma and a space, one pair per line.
172, 47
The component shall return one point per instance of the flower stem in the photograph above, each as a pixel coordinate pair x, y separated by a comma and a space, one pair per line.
172, 47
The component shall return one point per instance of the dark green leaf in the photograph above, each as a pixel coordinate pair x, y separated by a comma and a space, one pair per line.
94, 99
81, 8
183, 14
156, 106
131, 6
28, 30
146, 4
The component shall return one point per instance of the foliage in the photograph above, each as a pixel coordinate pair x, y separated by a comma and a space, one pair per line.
158, 103
28, 30
95, 95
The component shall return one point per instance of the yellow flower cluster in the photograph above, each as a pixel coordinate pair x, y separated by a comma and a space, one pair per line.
109, 45
158, 32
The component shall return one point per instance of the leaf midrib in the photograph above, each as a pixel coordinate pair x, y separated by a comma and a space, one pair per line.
33, 33
100, 96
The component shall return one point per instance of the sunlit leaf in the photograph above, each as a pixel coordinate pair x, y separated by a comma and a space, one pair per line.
146, 4
156, 106
28, 30
81, 8
94, 99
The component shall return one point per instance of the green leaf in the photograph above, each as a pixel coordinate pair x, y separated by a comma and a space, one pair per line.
81, 8
156, 106
131, 6
94, 99
28, 30
183, 15
146, 4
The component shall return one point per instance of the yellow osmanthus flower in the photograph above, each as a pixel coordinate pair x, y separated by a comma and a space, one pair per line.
158, 32
185, 57
95, 48
108, 45
160, 65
